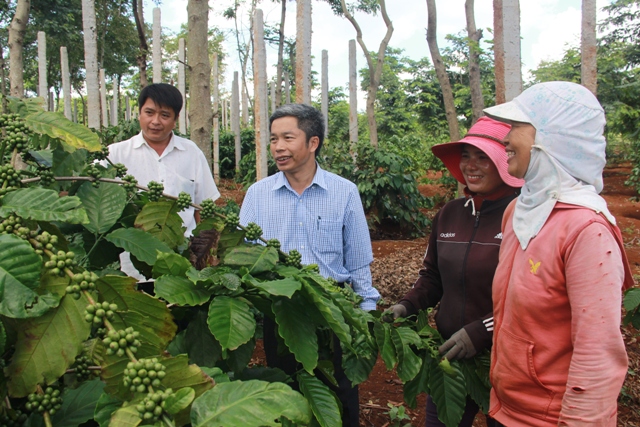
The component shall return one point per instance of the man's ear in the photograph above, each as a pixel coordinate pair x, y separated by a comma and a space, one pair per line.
314, 141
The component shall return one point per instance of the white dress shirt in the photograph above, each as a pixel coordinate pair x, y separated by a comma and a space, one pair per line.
181, 167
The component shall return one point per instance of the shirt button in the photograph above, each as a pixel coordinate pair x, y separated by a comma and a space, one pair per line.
300, 224
301, 247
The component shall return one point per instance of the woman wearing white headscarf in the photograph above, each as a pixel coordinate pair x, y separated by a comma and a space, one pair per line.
558, 357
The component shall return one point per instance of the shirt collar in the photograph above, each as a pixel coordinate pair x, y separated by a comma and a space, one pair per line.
318, 179
174, 142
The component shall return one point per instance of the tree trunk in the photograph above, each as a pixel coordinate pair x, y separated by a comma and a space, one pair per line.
144, 47
303, 52
441, 72
589, 68
200, 112
375, 69
477, 101
92, 111
283, 15
17, 30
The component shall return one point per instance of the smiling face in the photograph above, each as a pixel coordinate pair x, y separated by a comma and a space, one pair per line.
480, 173
518, 143
289, 147
157, 122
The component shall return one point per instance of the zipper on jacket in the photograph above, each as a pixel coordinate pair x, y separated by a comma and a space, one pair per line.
466, 255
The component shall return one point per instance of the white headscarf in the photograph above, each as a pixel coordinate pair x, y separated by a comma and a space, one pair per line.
567, 158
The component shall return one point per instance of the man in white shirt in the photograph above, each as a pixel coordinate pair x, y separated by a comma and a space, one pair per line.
156, 154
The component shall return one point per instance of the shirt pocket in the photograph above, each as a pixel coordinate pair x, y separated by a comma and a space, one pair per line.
184, 184
515, 379
328, 237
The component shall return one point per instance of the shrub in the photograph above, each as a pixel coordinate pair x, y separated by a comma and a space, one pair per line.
123, 131
634, 156
227, 162
387, 183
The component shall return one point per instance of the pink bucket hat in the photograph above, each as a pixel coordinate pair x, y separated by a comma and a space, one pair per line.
487, 135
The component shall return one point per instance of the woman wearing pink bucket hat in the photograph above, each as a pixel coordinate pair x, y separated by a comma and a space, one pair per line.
462, 254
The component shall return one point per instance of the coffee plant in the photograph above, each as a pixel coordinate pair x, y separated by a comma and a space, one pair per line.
83, 344
386, 182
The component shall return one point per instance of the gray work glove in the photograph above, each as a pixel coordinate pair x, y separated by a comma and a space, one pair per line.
459, 346
393, 312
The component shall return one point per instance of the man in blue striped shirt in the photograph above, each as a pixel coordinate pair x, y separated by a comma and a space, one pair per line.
319, 214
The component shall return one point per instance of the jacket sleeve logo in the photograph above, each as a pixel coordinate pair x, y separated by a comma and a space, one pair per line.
534, 266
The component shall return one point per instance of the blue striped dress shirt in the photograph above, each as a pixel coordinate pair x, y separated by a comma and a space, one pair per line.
326, 224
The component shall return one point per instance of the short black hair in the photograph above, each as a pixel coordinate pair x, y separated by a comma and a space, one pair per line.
162, 94
310, 120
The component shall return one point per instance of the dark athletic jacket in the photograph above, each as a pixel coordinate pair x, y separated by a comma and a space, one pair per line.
458, 269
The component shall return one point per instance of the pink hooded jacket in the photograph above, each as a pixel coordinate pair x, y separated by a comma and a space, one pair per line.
558, 355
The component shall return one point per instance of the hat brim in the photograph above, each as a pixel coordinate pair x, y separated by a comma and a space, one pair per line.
509, 112
451, 152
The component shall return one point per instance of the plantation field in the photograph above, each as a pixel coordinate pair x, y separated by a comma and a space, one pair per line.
395, 266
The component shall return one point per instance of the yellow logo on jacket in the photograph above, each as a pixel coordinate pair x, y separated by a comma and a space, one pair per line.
534, 266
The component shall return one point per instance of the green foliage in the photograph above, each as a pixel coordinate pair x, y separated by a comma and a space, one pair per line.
634, 156
228, 404
62, 310
632, 306
248, 168
447, 382
227, 161
124, 130
386, 182
397, 415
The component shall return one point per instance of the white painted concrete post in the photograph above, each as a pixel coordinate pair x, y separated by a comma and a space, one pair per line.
43, 89
114, 105
103, 98
353, 93
235, 119
260, 96
272, 92
66, 82
157, 46
216, 120
303, 51
287, 88
92, 110
512, 51
245, 106
325, 91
